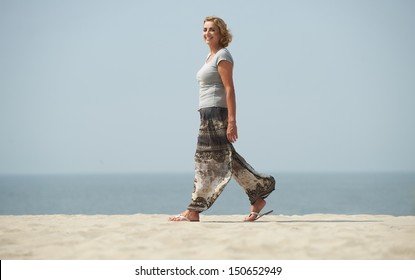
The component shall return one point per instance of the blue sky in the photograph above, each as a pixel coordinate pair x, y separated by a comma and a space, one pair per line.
110, 86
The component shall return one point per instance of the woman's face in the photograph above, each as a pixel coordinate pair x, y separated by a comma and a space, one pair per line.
211, 33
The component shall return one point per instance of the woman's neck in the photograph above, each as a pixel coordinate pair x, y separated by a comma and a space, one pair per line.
214, 49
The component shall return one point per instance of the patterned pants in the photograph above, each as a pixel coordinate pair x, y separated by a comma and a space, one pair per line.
216, 162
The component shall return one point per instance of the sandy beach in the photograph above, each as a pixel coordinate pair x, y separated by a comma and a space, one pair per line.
99, 237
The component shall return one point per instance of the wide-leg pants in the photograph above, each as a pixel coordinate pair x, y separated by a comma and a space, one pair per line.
216, 162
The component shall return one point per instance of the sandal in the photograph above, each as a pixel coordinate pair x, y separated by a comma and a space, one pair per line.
258, 215
181, 218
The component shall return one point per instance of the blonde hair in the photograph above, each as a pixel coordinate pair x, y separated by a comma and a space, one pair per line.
226, 36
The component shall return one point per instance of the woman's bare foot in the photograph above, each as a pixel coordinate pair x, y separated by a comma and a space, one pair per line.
256, 207
186, 216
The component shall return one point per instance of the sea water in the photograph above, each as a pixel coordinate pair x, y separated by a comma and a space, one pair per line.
295, 194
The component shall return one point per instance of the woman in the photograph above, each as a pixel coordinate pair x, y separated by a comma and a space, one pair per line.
216, 161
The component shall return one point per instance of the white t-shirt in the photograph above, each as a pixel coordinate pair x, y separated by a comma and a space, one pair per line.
212, 92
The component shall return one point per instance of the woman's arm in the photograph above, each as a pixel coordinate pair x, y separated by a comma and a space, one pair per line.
225, 72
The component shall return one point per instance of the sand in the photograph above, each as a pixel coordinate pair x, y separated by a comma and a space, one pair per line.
127, 237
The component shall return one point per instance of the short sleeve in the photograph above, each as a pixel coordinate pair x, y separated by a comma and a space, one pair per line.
224, 55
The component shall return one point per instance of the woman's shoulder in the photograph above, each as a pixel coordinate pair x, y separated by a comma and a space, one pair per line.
224, 51
224, 54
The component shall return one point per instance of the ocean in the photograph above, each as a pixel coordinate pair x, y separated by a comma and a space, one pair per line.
295, 194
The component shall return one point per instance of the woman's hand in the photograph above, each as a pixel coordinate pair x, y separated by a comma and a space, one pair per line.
232, 132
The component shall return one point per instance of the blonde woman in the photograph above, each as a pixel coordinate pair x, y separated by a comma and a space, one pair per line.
216, 160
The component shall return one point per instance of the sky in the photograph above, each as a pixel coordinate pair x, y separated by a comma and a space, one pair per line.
110, 86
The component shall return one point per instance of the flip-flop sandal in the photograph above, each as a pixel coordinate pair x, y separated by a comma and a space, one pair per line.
183, 219
258, 215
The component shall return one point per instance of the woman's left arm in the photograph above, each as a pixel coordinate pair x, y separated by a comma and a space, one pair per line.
225, 72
